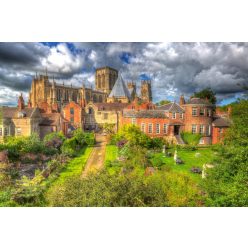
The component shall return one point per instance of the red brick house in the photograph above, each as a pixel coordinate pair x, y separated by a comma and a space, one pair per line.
169, 120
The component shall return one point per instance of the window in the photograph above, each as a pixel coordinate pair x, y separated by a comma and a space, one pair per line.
6, 131
220, 130
150, 128
208, 130
194, 128
174, 115
202, 112
133, 121
18, 131
181, 115
157, 128
194, 111
72, 119
201, 129
143, 127
165, 128
105, 116
1, 131
72, 111
209, 112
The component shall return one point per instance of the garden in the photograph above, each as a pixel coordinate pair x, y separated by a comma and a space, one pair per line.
29, 166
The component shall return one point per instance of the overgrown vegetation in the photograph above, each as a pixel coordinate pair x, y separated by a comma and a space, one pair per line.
29, 165
226, 183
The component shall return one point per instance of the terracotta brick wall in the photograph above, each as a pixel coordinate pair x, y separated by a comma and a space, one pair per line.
77, 116
218, 135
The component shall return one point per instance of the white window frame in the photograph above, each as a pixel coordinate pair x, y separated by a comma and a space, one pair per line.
209, 112
201, 129
143, 127
18, 131
174, 115
165, 128
150, 128
208, 130
6, 131
194, 111
134, 121
181, 115
194, 127
157, 128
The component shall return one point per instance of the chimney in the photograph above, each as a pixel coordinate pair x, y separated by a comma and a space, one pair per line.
182, 100
21, 103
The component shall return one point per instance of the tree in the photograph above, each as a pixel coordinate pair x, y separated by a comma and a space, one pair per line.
206, 93
226, 183
162, 102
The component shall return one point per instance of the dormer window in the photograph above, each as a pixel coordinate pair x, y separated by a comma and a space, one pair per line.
174, 115
21, 114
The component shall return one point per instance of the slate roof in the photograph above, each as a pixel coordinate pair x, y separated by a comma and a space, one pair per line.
144, 114
221, 122
171, 107
196, 100
120, 88
12, 112
115, 106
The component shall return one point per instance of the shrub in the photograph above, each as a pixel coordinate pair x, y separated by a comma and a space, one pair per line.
89, 139
191, 139
69, 147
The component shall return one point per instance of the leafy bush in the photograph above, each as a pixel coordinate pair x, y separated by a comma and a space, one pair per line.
70, 146
157, 161
54, 140
89, 139
191, 139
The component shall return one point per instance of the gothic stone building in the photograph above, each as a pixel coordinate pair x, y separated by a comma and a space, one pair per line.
55, 107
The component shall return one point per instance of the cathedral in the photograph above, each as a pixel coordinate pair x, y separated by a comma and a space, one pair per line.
54, 107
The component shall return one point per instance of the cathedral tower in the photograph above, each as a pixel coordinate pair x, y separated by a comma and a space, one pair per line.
105, 79
146, 91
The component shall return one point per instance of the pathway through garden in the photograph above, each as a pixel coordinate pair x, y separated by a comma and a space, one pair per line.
96, 160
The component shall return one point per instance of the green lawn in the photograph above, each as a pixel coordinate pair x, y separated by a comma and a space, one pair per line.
111, 152
189, 159
76, 165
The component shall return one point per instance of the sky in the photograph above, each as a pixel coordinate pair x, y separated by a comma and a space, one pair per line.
173, 68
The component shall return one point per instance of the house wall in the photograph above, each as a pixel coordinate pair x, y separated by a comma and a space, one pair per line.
218, 133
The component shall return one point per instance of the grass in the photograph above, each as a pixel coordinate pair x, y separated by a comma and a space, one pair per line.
111, 154
189, 159
76, 165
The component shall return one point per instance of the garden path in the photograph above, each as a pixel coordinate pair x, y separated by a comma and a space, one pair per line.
96, 160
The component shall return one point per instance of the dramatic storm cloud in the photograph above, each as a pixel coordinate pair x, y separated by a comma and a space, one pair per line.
174, 68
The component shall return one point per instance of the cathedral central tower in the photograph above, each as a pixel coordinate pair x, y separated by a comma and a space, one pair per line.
105, 79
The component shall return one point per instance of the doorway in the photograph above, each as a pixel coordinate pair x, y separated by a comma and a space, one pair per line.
176, 129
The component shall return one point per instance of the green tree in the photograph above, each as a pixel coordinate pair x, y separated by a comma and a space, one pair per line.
206, 93
162, 102
226, 183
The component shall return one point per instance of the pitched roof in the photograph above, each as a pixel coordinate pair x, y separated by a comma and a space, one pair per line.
13, 112
171, 107
221, 122
144, 114
115, 106
120, 88
196, 100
